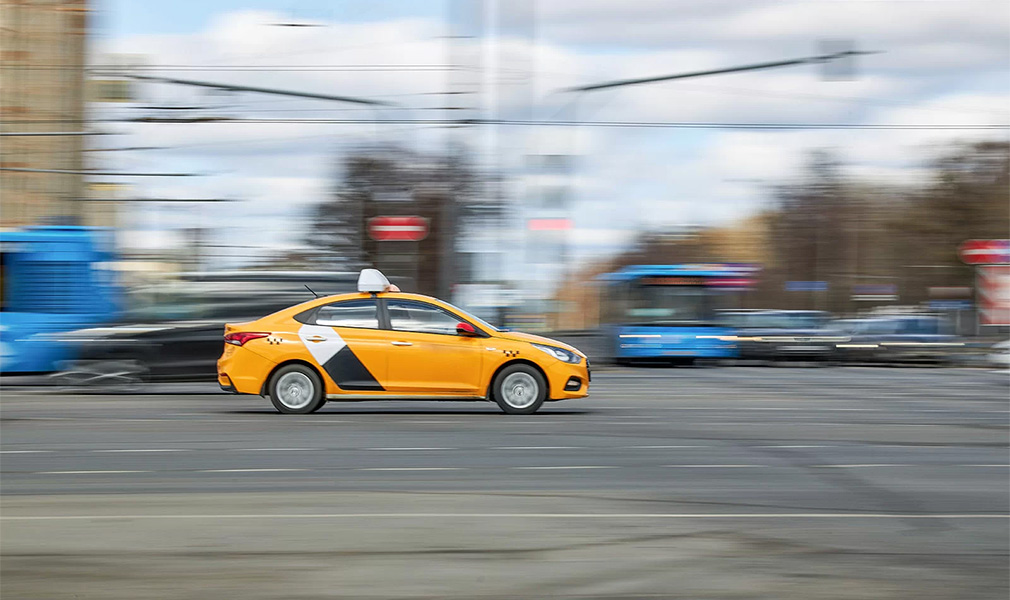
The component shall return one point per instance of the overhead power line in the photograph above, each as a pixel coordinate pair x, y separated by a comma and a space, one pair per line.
754, 67
616, 124
258, 90
100, 173
49, 133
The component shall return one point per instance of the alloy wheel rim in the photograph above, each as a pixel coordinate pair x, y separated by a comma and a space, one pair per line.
295, 390
520, 390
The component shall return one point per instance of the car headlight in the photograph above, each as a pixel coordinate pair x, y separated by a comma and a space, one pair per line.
559, 353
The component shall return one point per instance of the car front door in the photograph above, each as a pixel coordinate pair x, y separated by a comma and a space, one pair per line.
426, 355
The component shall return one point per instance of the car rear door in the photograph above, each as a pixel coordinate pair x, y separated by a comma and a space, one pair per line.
345, 340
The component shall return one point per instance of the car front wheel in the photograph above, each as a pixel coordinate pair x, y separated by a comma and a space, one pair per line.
519, 390
296, 389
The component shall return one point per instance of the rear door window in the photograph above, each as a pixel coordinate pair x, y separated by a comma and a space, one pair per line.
362, 314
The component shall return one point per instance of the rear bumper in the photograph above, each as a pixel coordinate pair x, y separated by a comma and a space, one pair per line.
243, 370
225, 383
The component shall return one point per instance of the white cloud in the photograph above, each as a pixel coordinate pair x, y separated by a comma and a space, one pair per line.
945, 63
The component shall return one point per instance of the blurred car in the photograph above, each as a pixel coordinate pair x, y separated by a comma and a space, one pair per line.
173, 333
999, 357
901, 338
377, 344
778, 335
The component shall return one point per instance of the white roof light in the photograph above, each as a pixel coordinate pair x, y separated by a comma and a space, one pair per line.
372, 280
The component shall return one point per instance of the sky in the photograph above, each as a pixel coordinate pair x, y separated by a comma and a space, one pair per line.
941, 63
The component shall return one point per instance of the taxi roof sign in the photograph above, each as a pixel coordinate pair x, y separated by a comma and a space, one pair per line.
372, 281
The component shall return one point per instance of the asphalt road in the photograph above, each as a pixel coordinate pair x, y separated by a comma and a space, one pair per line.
850, 482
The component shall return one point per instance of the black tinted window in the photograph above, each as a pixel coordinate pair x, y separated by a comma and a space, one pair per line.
352, 313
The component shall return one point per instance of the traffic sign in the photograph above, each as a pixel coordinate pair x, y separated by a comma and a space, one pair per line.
398, 229
985, 252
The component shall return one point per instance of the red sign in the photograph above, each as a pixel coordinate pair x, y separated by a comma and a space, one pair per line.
994, 295
398, 229
985, 252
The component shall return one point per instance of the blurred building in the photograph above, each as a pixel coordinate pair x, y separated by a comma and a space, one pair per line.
42, 60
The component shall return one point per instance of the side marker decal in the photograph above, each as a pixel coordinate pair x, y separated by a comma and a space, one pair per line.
332, 353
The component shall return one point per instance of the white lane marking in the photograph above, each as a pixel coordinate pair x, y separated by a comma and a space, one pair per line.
144, 450
999, 466
249, 470
715, 466
26, 451
870, 465
538, 448
412, 469
659, 447
798, 446
847, 515
408, 448
566, 467
87, 472
267, 449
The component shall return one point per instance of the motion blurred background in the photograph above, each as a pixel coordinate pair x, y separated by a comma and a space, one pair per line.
173, 162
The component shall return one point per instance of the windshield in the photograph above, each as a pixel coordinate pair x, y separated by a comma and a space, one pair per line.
782, 320
668, 304
472, 318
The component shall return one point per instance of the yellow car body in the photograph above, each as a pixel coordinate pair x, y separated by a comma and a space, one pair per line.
394, 345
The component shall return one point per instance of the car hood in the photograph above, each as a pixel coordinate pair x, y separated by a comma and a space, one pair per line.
518, 336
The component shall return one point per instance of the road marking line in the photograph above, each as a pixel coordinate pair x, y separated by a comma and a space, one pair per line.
567, 467
859, 466
26, 451
248, 470
661, 447
796, 446
86, 472
538, 448
407, 448
813, 445
517, 516
715, 466
144, 450
267, 449
412, 469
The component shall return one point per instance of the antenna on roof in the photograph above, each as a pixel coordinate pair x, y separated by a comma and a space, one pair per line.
310, 290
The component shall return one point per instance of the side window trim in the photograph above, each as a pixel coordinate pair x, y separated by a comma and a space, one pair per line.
382, 313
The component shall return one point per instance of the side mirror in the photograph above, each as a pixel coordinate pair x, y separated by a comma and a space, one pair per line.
465, 329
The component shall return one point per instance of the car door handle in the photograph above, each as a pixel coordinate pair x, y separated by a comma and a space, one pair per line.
401, 343
316, 338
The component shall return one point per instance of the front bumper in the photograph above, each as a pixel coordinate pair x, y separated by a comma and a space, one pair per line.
560, 376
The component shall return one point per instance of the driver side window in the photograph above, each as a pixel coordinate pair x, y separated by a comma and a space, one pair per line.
419, 317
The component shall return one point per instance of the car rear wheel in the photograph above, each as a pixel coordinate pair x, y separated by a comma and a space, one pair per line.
519, 390
296, 389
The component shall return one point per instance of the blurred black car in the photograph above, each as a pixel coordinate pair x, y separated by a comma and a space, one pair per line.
175, 331
898, 339
779, 335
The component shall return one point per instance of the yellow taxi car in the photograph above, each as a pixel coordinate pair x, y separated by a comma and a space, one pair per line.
381, 344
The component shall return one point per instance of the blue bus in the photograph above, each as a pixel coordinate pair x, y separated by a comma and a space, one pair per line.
52, 279
670, 312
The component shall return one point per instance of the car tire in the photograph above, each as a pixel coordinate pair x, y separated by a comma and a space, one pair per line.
296, 390
519, 390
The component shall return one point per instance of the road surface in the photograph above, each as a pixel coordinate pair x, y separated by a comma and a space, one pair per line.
849, 482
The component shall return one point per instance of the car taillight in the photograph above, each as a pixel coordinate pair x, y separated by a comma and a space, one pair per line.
241, 337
